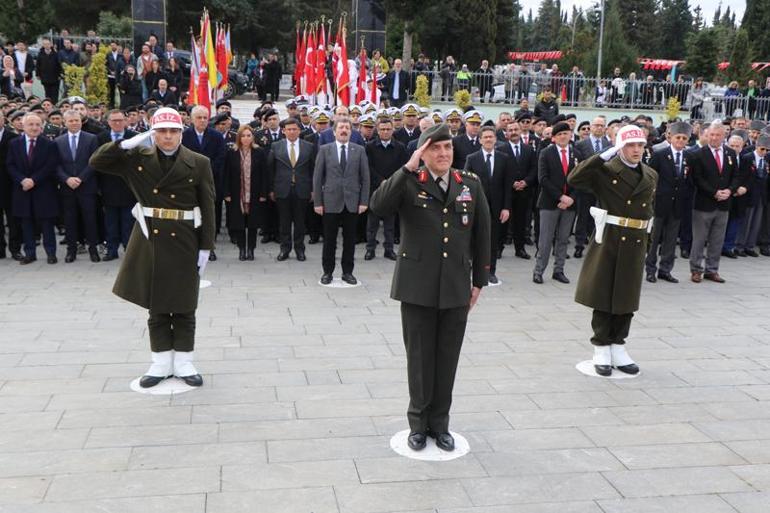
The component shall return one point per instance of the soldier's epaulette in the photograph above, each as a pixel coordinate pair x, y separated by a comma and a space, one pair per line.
470, 174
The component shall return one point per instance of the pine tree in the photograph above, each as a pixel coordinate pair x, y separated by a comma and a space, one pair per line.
24, 20
507, 17
755, 22
703, 53
740, 60
697, 19
639, 23
717, 15
674, 23
617, 51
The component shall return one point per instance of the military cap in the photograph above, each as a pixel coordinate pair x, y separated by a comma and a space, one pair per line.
558, 119
268, 113
291, 102
559, 127
743, 134
312, 109
410, 109
370, 108
15, 115
453, 113
614, 122
220, 118
757, 125
321, 117
524, 115
390, 111
55, 112
436, 133
223, 102
473, 116
397, 114
680, 128
437, 116
33, 98
355, 108
570, 116
74, 100
131, 109
582, 124
383, 114
36, 107
763, 141
367, 120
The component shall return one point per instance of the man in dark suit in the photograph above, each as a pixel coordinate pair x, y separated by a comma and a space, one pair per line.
163, 95
673, 175
328, 136
77, 186
467, 143
290, 166
595, 143
117, 198
495, 171
556, 202
202, 139
49, 70
398, 84
524, 185
340, 193
410, 131
715, 174
113, 57
32, 161
386, 156
6, 188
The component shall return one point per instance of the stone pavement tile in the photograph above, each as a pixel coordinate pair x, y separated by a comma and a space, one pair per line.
358, 448
115, 370
75, 357
133, 483
150, 435
343, 350
52, 386
614, 436
125, 417
679, 455
697, 395
548, 507
21, 490
718, 378
526, 462
676, 481
536, 385
210, 394
758, 392
198, 455
750, 502
214, 413
10, 359
662, 414
40, 372
266, 476
486, 403
111, 400
739, 411
192, 503
373, 376
329, 363
753, 451
725, 364
344, 339
273, 339
538, 488
295, 429
323, 377
561, 418
236, 366
468, 387
462, 423
397, 468
758, 476
31, 420
733, 430
322, 392
257, 353
591, 399
23, 403
533, 439
63, 462
23, 344
689, 504
294, 500
258, 379
348, 408
42, 440
387, 497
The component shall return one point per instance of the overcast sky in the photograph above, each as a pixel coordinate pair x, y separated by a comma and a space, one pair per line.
708, 6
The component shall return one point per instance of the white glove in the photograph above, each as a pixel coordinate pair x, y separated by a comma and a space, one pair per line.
127, 144
203, 259
609, 153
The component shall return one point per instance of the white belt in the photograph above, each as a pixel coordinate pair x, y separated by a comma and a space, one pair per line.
602, 218
139, 212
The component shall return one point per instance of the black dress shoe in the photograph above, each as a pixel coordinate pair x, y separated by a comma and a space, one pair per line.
108, 257
499, 254
390, 254
493, 279
70, 257
301, 256
17, 256
241, 254
528, 241
193, 381
283, 255
150, 381
93, 254
508, 240
397, 240
739, 252
685, 253
417, 441
444, 441
349, 279
751, 253
313, 240
52, 259
537, 278
3, 254
250, 254
603, 370
762, 251
265, 239
560, 278
212, 256
522, 254
326, 279
651, 277
578, 252
729, 253
27, 260
631, 368
667, 277
369, 255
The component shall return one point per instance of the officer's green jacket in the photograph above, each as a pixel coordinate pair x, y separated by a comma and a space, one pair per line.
611, 277
444, 244
161, 273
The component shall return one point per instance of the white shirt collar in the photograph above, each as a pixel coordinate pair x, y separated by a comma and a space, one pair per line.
385, 143
444, 178
71, 135
199, 134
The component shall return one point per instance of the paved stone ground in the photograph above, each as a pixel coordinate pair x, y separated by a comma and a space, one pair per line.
305, 385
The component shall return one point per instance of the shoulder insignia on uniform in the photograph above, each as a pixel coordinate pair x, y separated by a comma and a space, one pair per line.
457, 177
470, 174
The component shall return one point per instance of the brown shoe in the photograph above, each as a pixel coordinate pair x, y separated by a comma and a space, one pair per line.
697, 277
714, 277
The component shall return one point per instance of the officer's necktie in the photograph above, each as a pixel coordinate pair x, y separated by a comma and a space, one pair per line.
31, 150
719, 161
489, 164
292, 155
516, 151
679, 164
73, 146
440, 184
564, 167
115, 137
200, 140
597, 146
761, 168
343, 158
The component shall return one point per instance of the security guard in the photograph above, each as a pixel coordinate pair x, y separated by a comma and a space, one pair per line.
171, 241
443, 263
611, 279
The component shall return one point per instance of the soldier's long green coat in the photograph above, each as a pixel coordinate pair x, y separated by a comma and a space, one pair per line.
611, 277
161, 273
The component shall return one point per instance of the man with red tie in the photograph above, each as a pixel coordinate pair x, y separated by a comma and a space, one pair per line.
716, 178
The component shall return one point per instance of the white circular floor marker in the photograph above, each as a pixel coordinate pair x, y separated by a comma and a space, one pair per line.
170, 386
587, 367
400, 444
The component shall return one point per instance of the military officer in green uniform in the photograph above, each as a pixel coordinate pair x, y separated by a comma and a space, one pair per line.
443, 263
170, 242
611, 278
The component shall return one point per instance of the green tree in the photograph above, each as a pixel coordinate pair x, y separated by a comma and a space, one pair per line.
97, 88
755, 22
111, 24
697, 19
639, 23
507, 17
405, 12
741, 58
673, 17
25, 19
617, 51
703, 53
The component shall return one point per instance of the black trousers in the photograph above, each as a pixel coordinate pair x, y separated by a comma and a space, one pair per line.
520, 217
685, 221
75, 207
111, 83
610, 328
245, 237
218, 215
584, 223
171, 331
118, 223
331, 224
495, 234
52, 92
291, 211
373, 225
28, 229
432, 338
14, 232
313, 222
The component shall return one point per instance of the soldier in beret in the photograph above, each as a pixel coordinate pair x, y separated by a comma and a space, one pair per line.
443, 263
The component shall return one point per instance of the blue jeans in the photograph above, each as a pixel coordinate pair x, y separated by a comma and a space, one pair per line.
118, 223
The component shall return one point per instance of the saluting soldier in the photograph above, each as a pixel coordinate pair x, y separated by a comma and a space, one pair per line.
611, 278
443, 263
170, 242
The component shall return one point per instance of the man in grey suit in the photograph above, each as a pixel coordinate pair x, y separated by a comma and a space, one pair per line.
290, 167
597, 142
340, 194
78, 185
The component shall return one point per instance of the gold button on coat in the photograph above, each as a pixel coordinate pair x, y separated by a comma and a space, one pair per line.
155, 231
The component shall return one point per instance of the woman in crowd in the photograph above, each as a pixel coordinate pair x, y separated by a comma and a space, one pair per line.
152, 76
130, 88
174, 76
